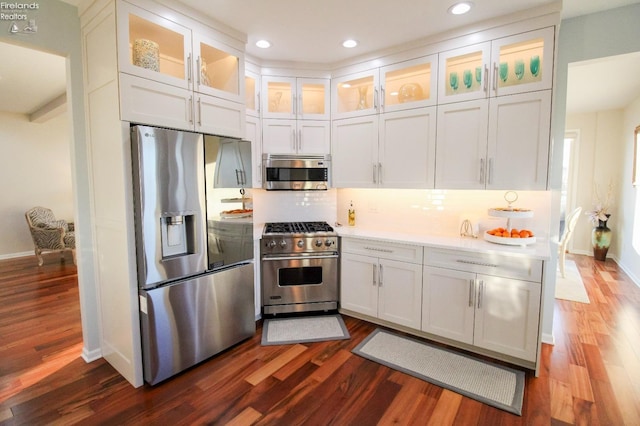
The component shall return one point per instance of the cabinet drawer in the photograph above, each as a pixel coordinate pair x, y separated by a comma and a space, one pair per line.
485, 263
394, 251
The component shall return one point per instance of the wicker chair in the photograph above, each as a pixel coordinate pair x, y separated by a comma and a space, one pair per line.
49, 234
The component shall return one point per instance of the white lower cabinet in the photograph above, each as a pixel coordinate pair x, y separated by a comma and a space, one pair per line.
497, 313
379, 286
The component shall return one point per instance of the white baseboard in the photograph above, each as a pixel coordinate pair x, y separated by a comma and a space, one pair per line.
91, 355
548, 339
14, 255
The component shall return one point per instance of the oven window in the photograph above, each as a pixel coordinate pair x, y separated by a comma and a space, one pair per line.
307, 275
288, 174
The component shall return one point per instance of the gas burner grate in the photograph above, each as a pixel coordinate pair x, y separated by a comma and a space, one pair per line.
297, 227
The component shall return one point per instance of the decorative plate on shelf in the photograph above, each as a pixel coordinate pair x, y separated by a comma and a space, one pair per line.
236, 213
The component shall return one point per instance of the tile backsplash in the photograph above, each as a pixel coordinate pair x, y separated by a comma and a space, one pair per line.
440, 212
428, 211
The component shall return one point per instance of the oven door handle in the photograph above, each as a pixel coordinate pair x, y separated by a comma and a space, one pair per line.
303, 257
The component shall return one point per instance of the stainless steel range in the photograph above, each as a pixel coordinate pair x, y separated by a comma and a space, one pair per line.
300, 267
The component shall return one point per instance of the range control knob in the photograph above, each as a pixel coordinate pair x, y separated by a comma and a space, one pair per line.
272, 244
328, 243
300, 243
283, 244
318, 243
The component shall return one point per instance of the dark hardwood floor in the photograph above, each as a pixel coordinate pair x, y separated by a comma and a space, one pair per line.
590, 376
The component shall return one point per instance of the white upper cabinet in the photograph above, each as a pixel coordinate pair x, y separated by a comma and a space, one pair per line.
295, 98
252, 93
157, 55
408, 84
218, 69
514, 64
153, 47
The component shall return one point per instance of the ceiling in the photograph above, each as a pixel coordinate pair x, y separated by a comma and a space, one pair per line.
300, 39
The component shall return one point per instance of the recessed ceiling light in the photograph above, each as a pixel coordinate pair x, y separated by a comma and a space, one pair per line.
349, 43
460, 8
264, 44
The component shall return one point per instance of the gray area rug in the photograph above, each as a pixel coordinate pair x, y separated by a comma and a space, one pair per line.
492, 384
285, 331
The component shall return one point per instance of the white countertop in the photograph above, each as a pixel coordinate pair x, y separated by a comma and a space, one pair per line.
539, 250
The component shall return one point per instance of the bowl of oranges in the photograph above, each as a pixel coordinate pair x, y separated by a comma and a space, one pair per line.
514, 237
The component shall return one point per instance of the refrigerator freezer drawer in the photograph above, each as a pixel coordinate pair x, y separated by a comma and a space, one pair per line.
189, 321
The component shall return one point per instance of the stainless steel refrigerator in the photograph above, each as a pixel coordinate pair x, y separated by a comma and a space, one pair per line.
194, 301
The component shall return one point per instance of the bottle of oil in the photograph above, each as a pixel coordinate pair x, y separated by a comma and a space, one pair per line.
352, 215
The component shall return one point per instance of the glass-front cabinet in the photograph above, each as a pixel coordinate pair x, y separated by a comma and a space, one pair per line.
159, 49
401, 86
464, 73
409, 84
295, 98
355, 94
523, 62
509, 65
153, 47
218, 69
252, 93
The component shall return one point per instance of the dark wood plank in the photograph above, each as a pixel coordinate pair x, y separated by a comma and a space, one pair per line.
590, 376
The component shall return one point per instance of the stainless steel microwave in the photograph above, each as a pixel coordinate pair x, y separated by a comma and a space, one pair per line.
296, 172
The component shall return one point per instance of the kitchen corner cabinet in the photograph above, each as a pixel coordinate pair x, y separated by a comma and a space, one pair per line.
405, 85
490, 302
157, 55
382, 280
295, 98
296, 136
504, 66
252, 93
497, 143
371, 151
254, 135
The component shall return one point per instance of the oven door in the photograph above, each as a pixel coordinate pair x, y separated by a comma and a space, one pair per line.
299, 279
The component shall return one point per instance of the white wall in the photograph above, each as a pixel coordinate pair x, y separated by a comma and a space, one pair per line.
600, 149
35, 171
59, 33
628, 244
598, 35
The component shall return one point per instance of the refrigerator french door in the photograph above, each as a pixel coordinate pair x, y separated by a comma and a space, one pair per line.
190, 308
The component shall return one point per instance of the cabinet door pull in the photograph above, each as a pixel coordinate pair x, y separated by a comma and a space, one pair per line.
486, 77
375, 99
294, 103
482, 170
300, 139
480, 291
191, 109
189, 69
258, 102
472, 284
199, 112
495, 76
294, 143
380, 173
381, 99
199, 72
380, 276
379, 249
238, 178
374, 274
375, 173
490, 171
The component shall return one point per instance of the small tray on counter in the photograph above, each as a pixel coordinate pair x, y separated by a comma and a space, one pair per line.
509, 240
